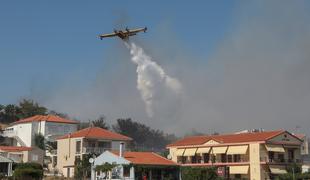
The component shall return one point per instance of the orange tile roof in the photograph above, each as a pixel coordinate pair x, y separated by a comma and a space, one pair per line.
300, 136
48, 118
228, 138
146, 158
14, 148
97, 133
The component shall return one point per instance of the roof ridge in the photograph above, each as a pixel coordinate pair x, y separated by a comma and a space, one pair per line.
163, 157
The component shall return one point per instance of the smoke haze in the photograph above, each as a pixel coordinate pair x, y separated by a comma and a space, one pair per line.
257, 77
152, 81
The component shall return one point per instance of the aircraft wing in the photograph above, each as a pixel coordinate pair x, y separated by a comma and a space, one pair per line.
107, 35
137, 30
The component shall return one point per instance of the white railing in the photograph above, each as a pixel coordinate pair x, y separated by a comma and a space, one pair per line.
97, 150
9, 133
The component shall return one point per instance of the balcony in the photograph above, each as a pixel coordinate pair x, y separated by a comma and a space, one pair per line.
212, 160
9, 133
279, 160
96, 150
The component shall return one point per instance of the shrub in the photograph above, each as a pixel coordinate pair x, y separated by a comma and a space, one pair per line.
28, 171
198, 173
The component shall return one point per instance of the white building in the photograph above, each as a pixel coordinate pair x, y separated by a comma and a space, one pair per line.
50, 126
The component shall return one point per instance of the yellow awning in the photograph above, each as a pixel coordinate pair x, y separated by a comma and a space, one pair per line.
180, 152
219, 150
275, 148
277, 169
238, 169
190, 152
203, 150
237, 149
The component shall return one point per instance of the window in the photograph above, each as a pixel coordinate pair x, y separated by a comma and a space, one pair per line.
237, 158
271, 156
229, 158
206, 157
126, 171
281, 157
35, 157
193, 159
291, 154
104, 144
77, 158
78, 147
181, 159
223, 157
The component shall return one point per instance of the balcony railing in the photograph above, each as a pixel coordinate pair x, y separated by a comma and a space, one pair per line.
209, 161
9, 133
279, 160
96, 150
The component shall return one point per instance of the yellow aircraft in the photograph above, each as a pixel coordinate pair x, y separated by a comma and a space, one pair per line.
124, 35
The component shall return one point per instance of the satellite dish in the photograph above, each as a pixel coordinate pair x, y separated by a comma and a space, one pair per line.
169, 156
91, 160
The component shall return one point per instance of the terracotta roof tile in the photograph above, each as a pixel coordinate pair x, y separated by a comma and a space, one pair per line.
227, 138
146, 158
14, 148
48, 118
97, 133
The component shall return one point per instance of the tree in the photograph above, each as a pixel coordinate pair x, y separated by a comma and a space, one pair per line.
144, 137
82, 167
30, 108
199, 173
101, 122
39, 141
33, 171
9, 113
26, 108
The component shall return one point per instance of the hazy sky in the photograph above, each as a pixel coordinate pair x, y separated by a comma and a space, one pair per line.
242, 64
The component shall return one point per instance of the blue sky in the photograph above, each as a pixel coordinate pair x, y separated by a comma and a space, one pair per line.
43, 41
245, 63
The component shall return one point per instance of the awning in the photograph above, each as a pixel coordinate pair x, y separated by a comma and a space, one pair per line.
203, 150
190, 152
237, 149
180, 152
219, 150
238, 169
275, 148
277, 169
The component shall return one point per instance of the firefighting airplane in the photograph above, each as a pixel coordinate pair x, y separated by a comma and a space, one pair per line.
124, 35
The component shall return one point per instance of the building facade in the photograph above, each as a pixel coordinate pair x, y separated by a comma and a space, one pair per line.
20, 154
50, 126
92, 140
254, 155
136, 165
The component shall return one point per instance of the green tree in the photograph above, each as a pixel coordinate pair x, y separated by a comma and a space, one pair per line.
144, 137
82, 167
28, 171
101, 122
39, 141
26, 108
10, 114
199, 173
30, 108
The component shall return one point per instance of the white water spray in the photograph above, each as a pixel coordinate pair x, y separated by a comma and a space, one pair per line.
151, 78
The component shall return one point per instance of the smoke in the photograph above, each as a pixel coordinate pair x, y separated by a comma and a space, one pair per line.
151, 78
256, 76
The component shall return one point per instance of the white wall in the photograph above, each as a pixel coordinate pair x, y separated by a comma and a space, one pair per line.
24, 132
115, 145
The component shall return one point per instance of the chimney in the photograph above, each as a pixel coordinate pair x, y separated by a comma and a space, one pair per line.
121, 149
